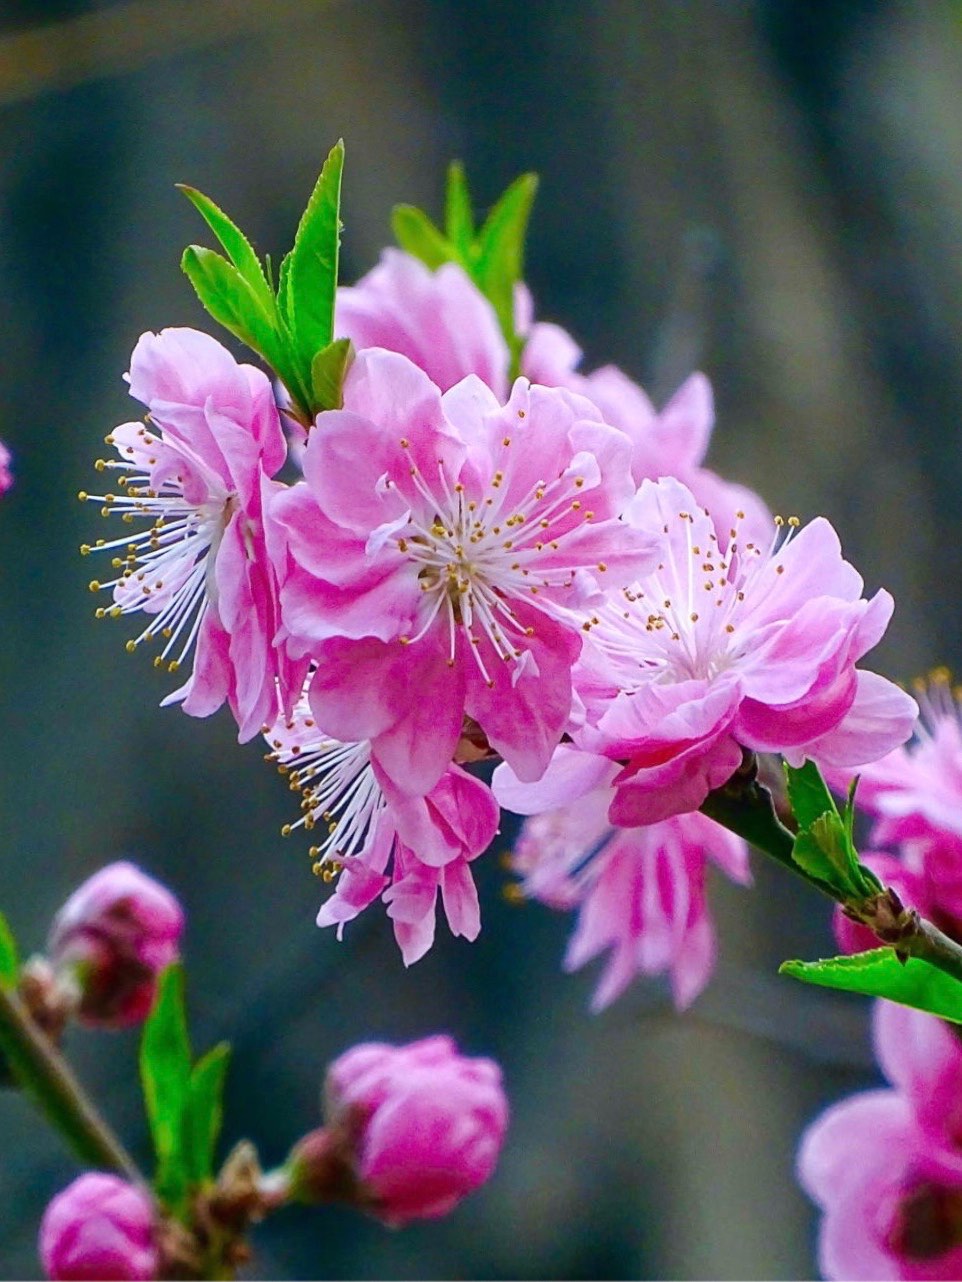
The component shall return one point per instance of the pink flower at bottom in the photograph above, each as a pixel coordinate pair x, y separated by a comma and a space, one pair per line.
885, 1167
427, 1122
100, 1226
640, 892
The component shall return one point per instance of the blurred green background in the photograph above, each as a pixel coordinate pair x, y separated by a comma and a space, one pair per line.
770, 191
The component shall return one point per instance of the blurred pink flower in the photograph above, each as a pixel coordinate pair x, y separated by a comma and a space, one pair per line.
6, 475
640, 892
199, 472
413, 1129
379, 843
724, 647
440, 558
885, 1166
99, 1227
111, 939
440, 320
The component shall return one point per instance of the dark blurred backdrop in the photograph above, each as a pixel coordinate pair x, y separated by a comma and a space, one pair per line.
770, 191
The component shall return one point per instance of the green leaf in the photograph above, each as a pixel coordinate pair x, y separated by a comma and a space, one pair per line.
310, 278
235, 243
165, 1074
9, 957
812, 859
231, 300
417, 235
328, 369
458, 219
500, 248
808, 793
204, 1113
879, 973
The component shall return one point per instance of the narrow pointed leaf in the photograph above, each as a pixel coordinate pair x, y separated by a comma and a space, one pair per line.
165, 1075
328, 369
204, 1113
879, 973
311, 276
500, 247
417, 235
230, 300
236, 245
9, 957
458, 219
808, 793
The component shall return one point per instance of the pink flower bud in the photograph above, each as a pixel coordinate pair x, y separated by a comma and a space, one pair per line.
114, 936
99, 1227
411, 1130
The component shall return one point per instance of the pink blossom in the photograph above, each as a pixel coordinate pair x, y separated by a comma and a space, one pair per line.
113, 937
640, 892
425, 1124
99, 1227
916, 791
717, 649
439, 319
443, 323
199, 472
6, 475
440, 558
885, 1166
379, 843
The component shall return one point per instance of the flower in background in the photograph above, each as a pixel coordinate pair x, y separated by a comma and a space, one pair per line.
885, 1166
100, 1226
6, 475
110, 941
440, 558
198, 472
440, 320
379, 843
639, 892
728, 645
410, 1131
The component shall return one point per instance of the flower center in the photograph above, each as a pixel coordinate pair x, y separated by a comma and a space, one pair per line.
476, 557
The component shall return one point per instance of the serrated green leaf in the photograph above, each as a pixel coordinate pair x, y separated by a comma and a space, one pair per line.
204, 1113
230, 300
417, 235
458, 218
328, 369
879, 973
500, 248
311, 276
808, 793
812, 859
165, 1076
9, 956
236, 245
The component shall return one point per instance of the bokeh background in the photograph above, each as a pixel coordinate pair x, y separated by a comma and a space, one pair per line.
770, 191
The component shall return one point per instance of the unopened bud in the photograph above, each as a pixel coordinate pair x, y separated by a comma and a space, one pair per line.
113, 937
99, 1227
411, 1131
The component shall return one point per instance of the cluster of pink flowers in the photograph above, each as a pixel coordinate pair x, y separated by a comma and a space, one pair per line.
885, 1166
543, 572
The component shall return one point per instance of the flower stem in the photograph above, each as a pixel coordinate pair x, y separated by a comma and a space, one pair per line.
746, 808
44, 1072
